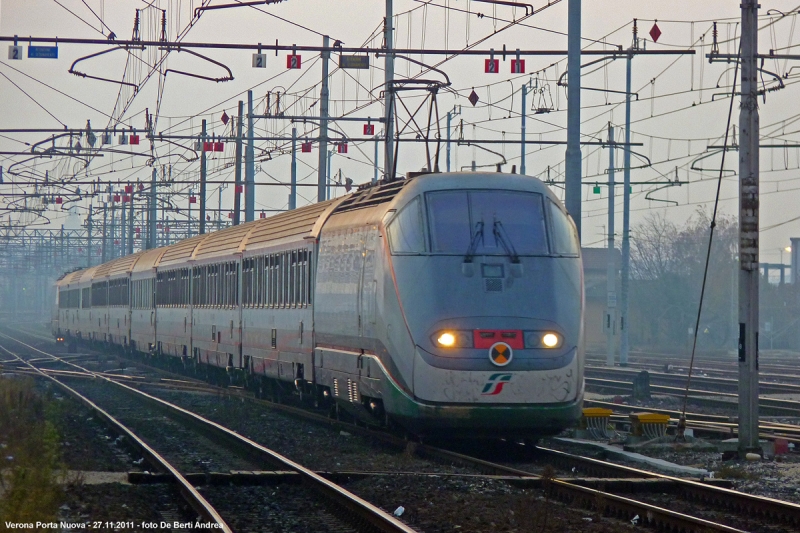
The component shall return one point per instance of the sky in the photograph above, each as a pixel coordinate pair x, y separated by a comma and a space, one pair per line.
679, 110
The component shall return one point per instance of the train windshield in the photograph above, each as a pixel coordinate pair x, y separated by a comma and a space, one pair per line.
486, 222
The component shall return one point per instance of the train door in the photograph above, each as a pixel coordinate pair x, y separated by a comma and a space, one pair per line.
367, 286
128, 310
153, 309
188, 324
238, 301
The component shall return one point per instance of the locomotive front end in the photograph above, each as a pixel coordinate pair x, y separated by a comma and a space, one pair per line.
487, 272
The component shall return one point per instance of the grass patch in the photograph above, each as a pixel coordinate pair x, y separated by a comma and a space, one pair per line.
734, 472
29, 461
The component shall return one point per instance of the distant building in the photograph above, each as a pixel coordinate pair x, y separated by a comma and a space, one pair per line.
595, 274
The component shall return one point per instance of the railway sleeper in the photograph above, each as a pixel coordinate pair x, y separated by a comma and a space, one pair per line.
743, 505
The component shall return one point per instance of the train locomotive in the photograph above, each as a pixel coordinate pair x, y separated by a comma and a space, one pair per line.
448, 304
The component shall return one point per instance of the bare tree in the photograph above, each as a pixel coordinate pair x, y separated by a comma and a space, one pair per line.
667, 263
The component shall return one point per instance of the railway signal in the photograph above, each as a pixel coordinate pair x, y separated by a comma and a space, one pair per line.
293, 61
655, 32
259, 60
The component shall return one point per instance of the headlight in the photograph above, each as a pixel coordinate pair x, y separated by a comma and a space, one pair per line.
543, 339
452, 339
446, 339
550, 340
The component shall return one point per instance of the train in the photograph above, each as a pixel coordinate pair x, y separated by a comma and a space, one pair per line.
446, 305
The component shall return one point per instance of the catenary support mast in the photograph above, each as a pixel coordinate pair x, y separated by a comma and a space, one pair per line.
572, 193
626, 210
203, 179
748, 232
611, 272
237, 196
249, 166
388, 36
322, 177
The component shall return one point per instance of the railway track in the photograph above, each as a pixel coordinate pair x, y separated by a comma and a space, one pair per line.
724, 400
351, 512
702, 423
712, 384
197, 502
584, 491
772, 369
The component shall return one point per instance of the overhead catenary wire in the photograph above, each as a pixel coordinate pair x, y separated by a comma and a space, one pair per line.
495, 107
708, 251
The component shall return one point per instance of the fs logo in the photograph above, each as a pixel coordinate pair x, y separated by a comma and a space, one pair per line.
495, 384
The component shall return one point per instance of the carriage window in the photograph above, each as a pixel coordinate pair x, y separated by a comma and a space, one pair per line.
515, 218
564, 234
448, 219
405, 230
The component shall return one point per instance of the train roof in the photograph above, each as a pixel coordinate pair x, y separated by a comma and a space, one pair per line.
72, 277
302, 223
181, 251
88, 273
115, 267
149, 259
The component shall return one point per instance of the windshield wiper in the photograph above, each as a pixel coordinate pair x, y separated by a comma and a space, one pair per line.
473, 245
498, 230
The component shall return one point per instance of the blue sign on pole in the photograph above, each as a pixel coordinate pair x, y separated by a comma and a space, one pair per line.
43, 52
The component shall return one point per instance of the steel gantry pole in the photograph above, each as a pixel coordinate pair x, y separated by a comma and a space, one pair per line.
203, 179
327, 185
626, 216
611, 271
249, 166
388, 36
122, 228
572, 192
748, 232
324, 94
130, 221
293, 185
89, 238
113, 227
447, 150
377, 150
522, 131
237, 191
189, 215
105, 231
153, 215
